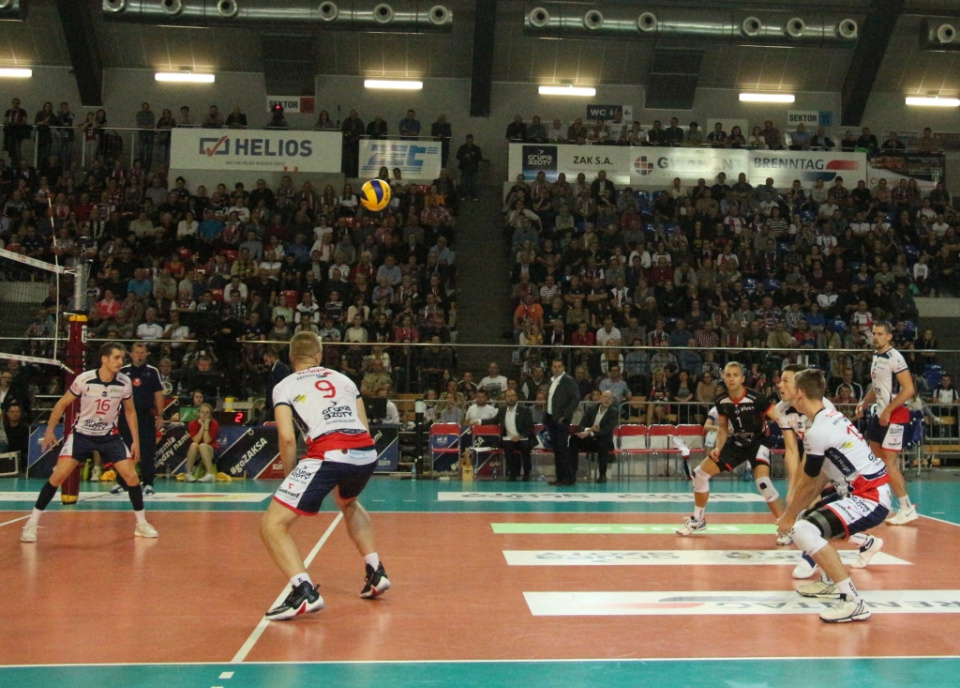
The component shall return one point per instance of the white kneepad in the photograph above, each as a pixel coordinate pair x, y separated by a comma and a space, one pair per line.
767, 489
807, 537
701, 480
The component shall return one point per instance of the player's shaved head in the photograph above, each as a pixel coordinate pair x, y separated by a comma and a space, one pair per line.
304, 346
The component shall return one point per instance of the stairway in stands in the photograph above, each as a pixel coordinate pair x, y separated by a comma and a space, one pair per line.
483, 289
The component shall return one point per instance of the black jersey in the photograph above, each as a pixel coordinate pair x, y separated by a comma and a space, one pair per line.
747, 416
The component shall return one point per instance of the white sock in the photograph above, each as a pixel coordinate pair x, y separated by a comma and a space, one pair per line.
373, 559
698, 512
846, 587
859, 539
34, 517
301, 578
141, 516
905, 503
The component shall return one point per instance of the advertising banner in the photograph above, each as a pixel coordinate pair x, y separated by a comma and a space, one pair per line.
807, 166
605, 112
926, 168
292, 104
387, 439
529, 159
656, 166
811, 119
417, 160
41, 464
261, 150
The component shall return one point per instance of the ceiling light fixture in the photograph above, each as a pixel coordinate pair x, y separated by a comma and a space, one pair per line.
767, 98
15, 72
393, 84
933, 101
581, 91
185, 77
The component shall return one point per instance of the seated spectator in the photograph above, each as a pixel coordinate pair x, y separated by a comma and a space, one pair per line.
203, 433
480, 412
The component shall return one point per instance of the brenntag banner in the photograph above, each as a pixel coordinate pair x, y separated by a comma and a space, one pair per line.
807, 166
262, 150
417, 160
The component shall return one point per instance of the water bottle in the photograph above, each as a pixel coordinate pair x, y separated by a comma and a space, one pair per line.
413, 468
496, 470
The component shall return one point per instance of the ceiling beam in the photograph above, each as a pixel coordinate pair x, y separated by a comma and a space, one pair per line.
481, 74
867, 57
77, 20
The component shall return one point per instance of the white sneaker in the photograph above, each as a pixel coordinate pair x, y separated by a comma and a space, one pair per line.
846, 611
692, 525
819, 589
680, 444
904, 516
874, 545
784, 540
95, 474
29, 533
145, 530
148, 491
208, 478
189, 478
806, 568
117, 490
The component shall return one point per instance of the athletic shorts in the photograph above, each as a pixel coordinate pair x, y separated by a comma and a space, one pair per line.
887, 436
846, 516
81, 447
733, 454
313, 479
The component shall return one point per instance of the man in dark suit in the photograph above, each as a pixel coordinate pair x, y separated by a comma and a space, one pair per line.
598, 423
276, 371
562, 401
516, 428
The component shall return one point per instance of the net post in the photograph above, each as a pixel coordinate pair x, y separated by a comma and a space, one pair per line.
76, 341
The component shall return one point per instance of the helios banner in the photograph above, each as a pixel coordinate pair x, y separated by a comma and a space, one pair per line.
263, 150
418, 160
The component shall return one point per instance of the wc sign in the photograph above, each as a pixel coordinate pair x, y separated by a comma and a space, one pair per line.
292, 104
605, 112
809, 118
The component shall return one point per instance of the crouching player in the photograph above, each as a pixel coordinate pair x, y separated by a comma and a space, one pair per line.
836, 453
340, 458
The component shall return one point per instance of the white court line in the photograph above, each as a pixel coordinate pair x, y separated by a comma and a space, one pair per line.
26, 516
264, 622
940, 520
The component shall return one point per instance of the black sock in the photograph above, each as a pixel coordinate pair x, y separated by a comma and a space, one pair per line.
47, 492
136, 497
122, 483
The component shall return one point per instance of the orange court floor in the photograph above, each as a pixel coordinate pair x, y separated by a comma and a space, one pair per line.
590, 584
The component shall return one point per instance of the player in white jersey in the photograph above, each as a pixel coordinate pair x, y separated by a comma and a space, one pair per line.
892, 389
102, 393
836, 453
340, 458
794, 425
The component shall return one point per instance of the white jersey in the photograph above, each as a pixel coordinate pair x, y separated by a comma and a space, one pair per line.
100, 402
789, 418
324, 404
883, 372
834, 445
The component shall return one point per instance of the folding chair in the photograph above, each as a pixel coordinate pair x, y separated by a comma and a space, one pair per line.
445, 446
629, 440
661, 445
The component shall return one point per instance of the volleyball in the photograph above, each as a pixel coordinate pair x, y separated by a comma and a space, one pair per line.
375, 195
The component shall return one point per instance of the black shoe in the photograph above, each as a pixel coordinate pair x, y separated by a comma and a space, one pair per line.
526, 477
304, 599
377, 583
602, 479
511, 478
554, 483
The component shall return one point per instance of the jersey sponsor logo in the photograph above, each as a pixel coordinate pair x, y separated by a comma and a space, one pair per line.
335, 412
137, 382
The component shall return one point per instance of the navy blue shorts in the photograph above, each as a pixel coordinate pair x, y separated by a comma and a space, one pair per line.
313, 479
80, 447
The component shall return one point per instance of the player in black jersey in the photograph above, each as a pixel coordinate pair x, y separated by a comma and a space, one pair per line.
742, 421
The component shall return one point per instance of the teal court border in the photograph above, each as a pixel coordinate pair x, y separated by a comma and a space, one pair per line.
888, 672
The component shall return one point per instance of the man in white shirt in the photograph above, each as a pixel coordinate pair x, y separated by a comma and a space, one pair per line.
608, 333
150, 329
494, 382
480, 411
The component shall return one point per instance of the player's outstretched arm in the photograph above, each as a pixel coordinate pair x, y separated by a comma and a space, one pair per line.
722, 428
49, 439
